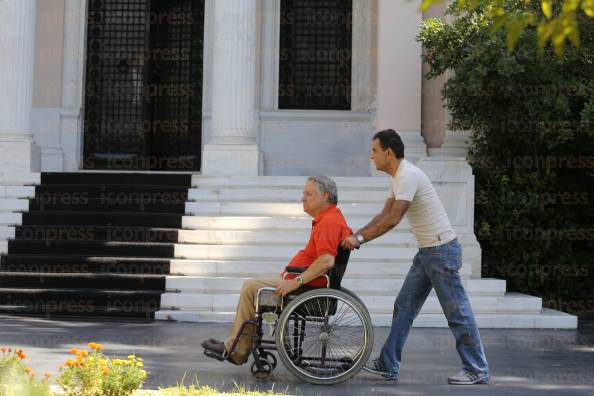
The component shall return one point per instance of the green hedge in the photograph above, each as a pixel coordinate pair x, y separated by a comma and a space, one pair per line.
531, 149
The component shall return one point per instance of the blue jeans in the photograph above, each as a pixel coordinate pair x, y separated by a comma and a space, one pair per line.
436, 267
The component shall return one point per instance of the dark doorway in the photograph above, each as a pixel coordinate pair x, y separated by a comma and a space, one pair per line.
143, 89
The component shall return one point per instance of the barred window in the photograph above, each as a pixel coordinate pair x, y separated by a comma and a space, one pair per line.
143, 96
315, 54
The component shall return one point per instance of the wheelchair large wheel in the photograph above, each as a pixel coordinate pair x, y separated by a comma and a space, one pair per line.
324, 336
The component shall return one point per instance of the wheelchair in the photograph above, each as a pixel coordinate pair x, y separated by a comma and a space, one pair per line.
322, 335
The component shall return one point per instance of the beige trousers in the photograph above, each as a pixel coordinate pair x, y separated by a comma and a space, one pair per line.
246, 310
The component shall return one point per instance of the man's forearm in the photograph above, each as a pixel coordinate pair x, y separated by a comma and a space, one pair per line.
372, 223
378, 226
317, 268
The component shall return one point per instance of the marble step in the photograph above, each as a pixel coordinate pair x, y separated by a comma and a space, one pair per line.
246, 268
10, 179
509, 303
546, 319
14, 205
277, 237
6, 232
283, 252
17, 191
273, 209
10, 218
300, 223
369, 286
295, 182
291, 195
270, 222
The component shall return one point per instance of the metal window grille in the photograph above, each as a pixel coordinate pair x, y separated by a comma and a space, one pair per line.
143, 97
315, 54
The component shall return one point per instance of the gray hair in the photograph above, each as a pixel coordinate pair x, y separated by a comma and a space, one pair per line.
325, 185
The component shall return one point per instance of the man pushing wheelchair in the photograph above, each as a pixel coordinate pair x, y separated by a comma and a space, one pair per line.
319, 355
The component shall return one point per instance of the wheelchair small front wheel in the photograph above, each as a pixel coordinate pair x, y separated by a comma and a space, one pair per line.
270, 358
324, 336
262, 369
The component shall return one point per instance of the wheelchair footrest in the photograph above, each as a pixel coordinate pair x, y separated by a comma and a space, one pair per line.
215, 355
219, 357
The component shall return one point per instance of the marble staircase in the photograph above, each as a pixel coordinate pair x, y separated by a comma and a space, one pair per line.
241, 227
14, 199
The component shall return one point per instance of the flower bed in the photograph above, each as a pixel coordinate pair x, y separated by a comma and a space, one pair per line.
17, 378
92, 373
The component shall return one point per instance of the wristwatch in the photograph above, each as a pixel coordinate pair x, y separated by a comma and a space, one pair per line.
360, 238
300, 280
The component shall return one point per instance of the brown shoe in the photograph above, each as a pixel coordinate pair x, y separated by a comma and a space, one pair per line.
216, 347
233, 358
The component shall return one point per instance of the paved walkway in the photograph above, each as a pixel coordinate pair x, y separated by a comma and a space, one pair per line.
523, 362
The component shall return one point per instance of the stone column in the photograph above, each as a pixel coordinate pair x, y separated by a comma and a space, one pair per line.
453, 142
232, 148
19, 156
399, 74
73, 65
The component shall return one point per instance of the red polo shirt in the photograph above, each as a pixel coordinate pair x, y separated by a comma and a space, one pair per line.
327, 231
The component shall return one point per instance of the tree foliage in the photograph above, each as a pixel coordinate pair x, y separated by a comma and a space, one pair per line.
531, 149
556, 22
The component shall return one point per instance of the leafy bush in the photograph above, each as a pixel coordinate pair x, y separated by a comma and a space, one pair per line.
91, 373
16, 378
532, 150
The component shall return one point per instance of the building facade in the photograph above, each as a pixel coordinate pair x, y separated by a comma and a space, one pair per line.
250, 87
243, 98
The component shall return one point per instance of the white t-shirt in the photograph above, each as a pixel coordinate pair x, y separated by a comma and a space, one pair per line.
426, 214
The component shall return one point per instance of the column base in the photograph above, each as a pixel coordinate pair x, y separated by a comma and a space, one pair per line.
52, 159
414, 147
231, 160
454, 145
19, 158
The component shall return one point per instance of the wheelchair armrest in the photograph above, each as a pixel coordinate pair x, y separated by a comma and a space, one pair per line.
295, 270
300, 270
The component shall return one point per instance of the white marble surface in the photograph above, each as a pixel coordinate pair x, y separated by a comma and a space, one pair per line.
454, 145
18, 152
17, 38
231, 159
45, 122
232, 148
548, 319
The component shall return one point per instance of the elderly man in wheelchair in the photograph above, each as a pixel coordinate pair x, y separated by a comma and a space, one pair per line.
321, 331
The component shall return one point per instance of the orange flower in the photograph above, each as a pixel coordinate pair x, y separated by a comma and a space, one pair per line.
20, 354
96, 346
28, 370
105, 371
46, 375
83, 353
3, 350
70, 362
74, 351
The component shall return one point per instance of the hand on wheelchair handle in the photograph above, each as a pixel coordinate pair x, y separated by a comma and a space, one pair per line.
350, 243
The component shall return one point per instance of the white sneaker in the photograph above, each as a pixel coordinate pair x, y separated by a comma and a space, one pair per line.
467, 378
